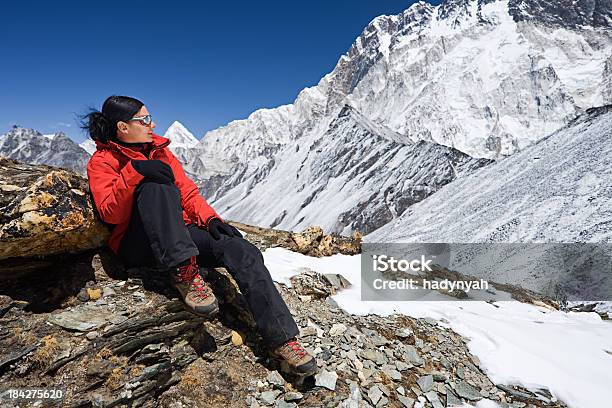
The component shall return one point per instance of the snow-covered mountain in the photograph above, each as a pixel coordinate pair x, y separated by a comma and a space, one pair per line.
33, 147
198, 164
88, 145
341, 185
486, 78
180, 136
557, 190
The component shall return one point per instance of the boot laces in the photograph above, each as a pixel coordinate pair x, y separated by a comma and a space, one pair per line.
296, 348
191, 273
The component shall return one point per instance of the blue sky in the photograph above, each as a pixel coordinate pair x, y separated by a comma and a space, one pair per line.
203, 64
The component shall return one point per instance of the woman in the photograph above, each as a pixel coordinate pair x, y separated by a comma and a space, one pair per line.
159, 217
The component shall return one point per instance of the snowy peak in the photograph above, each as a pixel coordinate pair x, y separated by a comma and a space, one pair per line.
23, 133
180, 136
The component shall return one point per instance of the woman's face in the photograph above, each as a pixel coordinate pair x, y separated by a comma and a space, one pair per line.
135, 131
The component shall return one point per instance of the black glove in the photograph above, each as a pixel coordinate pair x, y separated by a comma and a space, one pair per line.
216, 227
155, 170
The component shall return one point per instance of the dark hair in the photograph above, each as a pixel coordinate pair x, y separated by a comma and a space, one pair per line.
102, 125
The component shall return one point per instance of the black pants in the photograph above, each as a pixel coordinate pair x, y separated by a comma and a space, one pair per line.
157, 236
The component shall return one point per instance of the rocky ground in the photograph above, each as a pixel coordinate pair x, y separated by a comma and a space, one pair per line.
113, 337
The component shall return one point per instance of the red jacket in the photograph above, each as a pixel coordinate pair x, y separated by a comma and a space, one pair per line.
113, 181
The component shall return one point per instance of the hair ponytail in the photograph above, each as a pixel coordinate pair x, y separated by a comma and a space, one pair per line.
98, 126
102, 125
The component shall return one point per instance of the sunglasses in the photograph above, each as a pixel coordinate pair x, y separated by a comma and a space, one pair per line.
145, 120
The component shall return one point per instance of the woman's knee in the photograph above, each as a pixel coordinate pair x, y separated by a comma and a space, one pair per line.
244, 249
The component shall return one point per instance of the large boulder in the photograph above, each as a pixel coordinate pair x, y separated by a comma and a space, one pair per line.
45, 211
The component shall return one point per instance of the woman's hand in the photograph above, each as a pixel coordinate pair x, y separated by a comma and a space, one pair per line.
155, 170
216, 227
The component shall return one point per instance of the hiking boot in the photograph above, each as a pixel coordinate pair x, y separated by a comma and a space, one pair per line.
196, 294
298, 359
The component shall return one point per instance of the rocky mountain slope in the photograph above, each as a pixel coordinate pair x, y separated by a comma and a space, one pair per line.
340, 185
557, 190
121, 341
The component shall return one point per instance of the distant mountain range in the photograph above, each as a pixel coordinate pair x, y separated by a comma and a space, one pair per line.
31, 146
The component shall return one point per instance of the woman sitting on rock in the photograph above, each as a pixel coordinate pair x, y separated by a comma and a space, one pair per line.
160, 218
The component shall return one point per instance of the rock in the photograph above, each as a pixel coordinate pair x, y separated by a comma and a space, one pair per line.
385, 390
375, 338
407, 402
275, 378
412, 355
94, 294
312, 241
452, 400
337, 330
354, 398
375, 394
293, 396
83, 295
268, 397
337, 281
514, 392
425, 382
391, 372
371, 355
467, 391
82, 318
330, 301
92, 335
308, 331
383, 402
284, 404
433, 398
108, 291
237, 339
403, 333
326, 379
311, 283
48, 212
439, 376
401, 366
